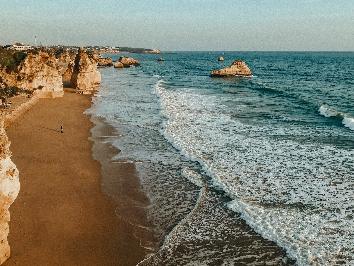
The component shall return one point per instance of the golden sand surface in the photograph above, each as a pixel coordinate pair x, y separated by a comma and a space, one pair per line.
61, 216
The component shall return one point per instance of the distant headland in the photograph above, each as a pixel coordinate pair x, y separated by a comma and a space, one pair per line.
98, 49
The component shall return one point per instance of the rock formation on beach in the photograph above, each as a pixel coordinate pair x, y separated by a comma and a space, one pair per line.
126, 62
37, 72
9, 189
85, 75
238, 68
68, 73
63, 60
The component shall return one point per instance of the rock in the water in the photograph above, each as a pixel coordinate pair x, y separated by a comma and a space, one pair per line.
238, 68
118, 64
221, 59
160, 59
9, 189
85, 75
104, 61
128, 61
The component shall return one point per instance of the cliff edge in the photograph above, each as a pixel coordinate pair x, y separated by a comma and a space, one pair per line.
37, 73
9, 189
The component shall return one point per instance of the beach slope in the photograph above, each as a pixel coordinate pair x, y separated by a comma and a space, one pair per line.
61, 217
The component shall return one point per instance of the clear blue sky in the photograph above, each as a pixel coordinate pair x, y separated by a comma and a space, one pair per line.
312, 25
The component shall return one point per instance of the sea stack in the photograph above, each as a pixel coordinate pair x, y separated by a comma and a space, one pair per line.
238, 68
127, 62
85, 75
118, 64
104, 61
221, 59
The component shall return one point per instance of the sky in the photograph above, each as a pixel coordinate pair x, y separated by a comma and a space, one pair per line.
182, 25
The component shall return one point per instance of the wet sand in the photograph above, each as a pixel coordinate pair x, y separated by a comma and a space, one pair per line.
61, 216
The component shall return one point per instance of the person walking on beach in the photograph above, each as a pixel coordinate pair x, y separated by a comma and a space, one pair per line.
61, 129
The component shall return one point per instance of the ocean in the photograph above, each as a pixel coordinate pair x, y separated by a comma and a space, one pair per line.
240, 170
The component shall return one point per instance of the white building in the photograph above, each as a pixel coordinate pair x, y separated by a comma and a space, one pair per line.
19, 47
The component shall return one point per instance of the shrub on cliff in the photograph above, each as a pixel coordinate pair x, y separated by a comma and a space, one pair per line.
8, 92
11, 60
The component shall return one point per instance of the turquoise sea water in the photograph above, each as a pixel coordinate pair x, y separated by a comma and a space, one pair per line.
275, 149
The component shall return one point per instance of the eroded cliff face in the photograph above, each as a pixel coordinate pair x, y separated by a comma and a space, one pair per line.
38, 72
68, 73
9, 189
85, 75
63, 61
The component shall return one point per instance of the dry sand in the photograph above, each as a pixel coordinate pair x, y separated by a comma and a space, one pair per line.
61, 217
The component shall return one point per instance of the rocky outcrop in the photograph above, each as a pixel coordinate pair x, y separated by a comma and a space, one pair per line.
9, 189
85, 75
118, 64
104, 61
221, 59
238, 68
63, 61
127, 62
160, 59
68, 73
36, 73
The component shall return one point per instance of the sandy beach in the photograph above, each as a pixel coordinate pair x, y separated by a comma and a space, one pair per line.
61, 216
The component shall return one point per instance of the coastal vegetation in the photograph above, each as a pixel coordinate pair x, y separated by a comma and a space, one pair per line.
11, 91
134, 50
11, 59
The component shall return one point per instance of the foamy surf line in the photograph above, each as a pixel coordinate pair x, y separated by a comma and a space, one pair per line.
330, 112
195, 133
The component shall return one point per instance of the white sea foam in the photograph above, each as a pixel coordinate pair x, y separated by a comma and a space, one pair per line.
193, 176
327, 112
348, 122
298, 195
330, 112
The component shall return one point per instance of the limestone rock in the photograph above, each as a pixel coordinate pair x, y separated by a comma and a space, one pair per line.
104, 61
128, 61
36, 73
85, 75
63, 61
238, 68
66, 57
9, 189
68, 73
118, 64
221, 59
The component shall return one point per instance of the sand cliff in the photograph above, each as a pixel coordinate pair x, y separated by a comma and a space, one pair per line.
9, 189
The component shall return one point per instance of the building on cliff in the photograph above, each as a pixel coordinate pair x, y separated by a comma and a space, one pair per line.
18, 47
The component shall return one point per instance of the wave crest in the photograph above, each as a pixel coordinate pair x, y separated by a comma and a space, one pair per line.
330, 112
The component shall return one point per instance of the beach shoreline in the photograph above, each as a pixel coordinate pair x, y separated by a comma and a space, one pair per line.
121, 183
61, 216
